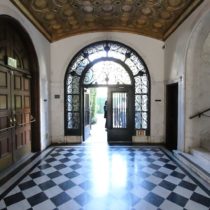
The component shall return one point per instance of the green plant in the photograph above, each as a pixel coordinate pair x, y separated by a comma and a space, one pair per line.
93, 105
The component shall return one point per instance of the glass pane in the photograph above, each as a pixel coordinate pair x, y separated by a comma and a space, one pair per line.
138, 122
79, 64
144, 120
141, 120
73, 84
73, 120
141, 84
119, 110
107, 73
141, 102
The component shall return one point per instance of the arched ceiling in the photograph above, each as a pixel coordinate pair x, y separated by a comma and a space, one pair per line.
58, 19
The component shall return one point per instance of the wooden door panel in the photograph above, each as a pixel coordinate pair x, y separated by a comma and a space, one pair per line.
17, 82
26, 84
3, 79
6, 127
6, 157
3, 102
22, 115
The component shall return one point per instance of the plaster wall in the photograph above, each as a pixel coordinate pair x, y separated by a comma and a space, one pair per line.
183, 64
149, 49
42, 47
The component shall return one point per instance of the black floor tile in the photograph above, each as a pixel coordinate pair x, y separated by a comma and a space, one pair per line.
154, 166
167, 185
60, 199
37, 174
27, 185
178, 174
148, 185
60, 166
67, 185
46, 185
36, 199
177, 199
170, 166
64, 160
188, 185
154, 199
201, 199
72, 174
54, 174
14, 198
83, 199
160, 174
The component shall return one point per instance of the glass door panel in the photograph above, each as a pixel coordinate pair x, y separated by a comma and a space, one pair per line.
119, 110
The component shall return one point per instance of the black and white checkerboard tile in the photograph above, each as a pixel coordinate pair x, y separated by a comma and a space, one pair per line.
125, 178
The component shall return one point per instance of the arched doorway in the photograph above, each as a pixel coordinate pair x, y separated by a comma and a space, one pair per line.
130, 80
19, 93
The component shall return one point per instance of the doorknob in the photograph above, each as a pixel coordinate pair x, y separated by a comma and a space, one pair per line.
10, 121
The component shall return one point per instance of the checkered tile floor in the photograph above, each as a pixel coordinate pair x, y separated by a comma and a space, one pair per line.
110, 178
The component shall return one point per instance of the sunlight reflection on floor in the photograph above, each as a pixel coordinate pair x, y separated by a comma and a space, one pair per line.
98, 134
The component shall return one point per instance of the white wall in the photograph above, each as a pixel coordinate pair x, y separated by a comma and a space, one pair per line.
149, 49
42, 47
183, 64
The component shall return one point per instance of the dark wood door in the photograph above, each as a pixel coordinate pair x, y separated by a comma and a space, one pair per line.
120, 115
87, 122
6, 122
171, 116
15, 116
21, 107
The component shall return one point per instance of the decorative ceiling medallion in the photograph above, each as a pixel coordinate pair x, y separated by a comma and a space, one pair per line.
175, 4
165, 15
60, 3
39, 5
146, 10
58, 19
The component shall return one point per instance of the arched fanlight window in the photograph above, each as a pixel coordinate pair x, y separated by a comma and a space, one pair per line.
102, 64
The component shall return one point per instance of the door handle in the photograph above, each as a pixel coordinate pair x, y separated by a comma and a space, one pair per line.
5, 129
31, 121
10, 122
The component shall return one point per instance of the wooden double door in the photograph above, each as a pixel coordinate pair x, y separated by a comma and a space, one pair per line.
15, 115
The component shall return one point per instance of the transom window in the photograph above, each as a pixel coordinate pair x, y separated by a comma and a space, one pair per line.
102, 64
107, 73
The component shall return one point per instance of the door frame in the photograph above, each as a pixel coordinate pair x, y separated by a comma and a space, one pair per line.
171, 107
83, 87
